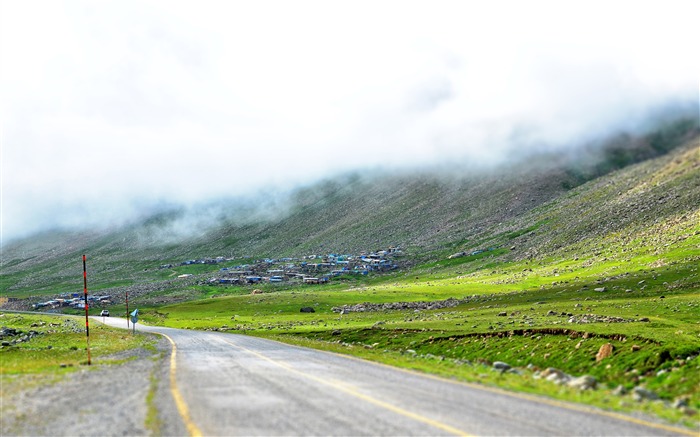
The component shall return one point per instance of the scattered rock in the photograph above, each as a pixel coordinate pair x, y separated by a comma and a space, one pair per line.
500, 365
600, 289
604, 352
688, 411
640, 394
400, 306
620, 390
636, 348
585, 382
307, 310
336, 332
503, 314
555, 375
592, 318
681, 402
644, 319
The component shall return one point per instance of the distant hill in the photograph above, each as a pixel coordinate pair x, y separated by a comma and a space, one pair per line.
555, 203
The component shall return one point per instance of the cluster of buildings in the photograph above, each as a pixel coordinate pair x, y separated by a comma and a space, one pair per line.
311, 269
76, 301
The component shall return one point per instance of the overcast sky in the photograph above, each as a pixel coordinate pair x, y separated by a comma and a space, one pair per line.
109, 106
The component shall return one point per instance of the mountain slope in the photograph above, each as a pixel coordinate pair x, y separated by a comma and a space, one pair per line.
528, 208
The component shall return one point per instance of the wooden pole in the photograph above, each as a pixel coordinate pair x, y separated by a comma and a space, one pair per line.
87, 320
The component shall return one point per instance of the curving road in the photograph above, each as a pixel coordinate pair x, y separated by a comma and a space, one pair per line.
228, 384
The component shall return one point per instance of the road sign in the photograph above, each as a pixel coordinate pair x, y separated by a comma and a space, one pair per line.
134, 318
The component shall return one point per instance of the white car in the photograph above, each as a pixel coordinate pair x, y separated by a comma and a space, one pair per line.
104, 313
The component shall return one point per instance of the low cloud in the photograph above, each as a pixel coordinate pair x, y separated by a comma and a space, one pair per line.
111, 108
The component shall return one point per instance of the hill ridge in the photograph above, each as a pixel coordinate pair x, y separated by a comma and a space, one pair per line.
534, 213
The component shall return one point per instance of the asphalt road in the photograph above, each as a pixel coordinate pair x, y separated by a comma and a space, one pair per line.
229, 384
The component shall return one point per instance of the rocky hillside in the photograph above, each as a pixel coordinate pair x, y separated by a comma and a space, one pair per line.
555, 203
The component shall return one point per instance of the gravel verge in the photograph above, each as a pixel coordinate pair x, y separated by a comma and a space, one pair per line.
105, 400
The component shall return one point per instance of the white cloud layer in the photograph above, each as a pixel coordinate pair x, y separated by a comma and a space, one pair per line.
107, 106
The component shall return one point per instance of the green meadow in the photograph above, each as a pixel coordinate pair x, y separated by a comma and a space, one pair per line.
56, 345
530, 271
552, 313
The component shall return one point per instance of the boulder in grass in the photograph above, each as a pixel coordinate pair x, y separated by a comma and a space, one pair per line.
501, 366
307, 310
604, 352
640, 394
585, 382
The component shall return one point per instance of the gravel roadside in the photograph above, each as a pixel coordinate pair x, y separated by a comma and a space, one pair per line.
127, 399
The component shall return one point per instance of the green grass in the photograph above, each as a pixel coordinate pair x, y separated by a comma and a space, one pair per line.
506, 316
635, 232
61, 344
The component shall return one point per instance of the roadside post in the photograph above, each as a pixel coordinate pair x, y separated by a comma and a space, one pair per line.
134, 319
87, 323
127, 310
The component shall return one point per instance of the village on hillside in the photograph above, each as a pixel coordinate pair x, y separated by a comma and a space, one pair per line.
310, 269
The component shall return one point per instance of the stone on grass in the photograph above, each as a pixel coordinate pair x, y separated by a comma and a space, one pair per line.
307, 310
604, 352
688, 411
555, 375
681, 402
641, 394
500, 365
620, 390
585, 382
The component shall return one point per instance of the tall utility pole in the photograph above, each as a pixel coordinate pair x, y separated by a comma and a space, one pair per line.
87, 322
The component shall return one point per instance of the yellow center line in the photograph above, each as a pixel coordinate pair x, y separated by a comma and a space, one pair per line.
356, 393
533, 398
179, 401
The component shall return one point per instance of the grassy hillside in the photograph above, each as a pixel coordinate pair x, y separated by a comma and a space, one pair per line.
539, 266
531, 206
611, 265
